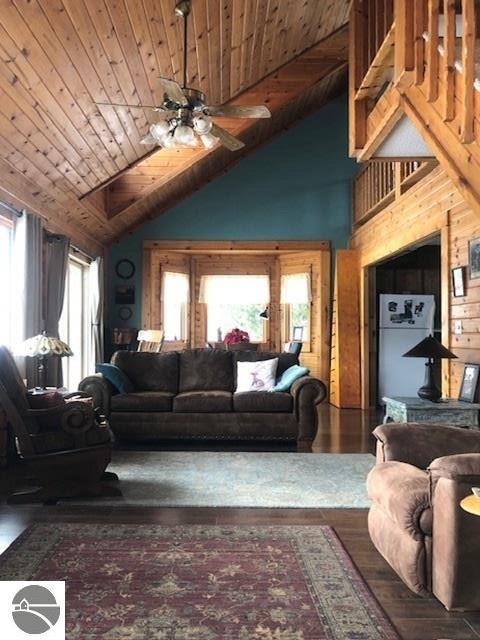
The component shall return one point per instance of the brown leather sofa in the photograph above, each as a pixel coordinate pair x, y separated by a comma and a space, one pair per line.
415, 521
190, 394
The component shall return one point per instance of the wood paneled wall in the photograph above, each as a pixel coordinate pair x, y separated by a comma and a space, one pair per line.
271, 261
433, 206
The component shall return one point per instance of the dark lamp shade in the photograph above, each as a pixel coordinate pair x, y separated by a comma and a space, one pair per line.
429, 347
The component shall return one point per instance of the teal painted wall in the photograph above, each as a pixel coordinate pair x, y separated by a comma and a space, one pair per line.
297, 187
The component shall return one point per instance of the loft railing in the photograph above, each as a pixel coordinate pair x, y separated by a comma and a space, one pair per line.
447, 57
431, 44
379, 183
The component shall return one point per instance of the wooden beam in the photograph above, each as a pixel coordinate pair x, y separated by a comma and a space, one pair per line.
448, 66
468, 71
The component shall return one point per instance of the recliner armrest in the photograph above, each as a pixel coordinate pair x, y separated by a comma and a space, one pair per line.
420, 443
464, 467
307, 393
97, 387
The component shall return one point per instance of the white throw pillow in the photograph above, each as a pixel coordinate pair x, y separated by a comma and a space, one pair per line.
256, 376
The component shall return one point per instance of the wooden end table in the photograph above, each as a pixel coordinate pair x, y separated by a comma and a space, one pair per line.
453, 413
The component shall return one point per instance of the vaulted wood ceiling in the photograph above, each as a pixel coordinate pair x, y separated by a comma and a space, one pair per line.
59, 57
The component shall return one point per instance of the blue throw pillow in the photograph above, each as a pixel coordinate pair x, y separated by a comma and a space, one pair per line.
115, 376
289, 376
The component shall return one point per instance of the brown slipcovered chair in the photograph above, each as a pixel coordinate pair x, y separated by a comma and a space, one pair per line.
415, 520
65, 448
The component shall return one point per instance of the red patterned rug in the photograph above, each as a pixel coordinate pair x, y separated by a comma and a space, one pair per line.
148, 582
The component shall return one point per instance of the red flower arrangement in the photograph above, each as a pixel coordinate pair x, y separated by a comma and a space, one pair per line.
235, 336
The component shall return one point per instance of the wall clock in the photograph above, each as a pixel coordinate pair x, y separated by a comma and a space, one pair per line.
125, 269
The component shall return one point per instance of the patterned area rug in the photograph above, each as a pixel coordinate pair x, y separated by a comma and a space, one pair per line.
240, 479
146, 582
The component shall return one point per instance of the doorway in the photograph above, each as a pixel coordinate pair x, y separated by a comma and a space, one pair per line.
407, 308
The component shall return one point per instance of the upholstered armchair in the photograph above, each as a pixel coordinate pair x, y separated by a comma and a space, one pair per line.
65, 448
415, 520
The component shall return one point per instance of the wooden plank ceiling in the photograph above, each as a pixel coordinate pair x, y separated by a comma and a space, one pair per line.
59, 57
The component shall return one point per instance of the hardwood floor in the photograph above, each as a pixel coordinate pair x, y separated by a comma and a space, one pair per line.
340, 431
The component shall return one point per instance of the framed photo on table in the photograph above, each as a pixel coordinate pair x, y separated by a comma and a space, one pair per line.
468, 387
297, 334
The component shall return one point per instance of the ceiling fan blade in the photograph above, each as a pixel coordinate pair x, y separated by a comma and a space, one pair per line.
229, 141
235, 111
130, 106
148, 139
173, 91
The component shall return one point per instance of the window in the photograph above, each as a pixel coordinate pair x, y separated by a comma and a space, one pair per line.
296, 297
235, 302
176, 295
74, 323
6, 241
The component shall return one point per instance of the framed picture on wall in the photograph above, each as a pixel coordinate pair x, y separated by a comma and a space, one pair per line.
458, 281
468, 388
474, 257
124, 294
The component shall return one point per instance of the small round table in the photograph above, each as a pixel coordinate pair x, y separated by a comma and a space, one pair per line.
471, 504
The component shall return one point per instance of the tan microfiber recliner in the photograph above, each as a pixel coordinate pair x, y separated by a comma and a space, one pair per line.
415, 520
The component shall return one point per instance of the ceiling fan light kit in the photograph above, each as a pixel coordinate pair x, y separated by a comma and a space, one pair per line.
184, 118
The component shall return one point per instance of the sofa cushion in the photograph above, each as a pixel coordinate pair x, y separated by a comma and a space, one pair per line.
206, 370
143, 401
149, 371
256, 376
203, 402
285, 360
262, 402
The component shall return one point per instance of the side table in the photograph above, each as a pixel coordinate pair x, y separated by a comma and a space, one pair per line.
471, 504
449, 411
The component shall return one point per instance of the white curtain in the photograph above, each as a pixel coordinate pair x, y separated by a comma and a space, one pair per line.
295, 289
234, 290
97, 303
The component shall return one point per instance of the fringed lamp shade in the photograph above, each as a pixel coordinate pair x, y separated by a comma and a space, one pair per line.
43, 346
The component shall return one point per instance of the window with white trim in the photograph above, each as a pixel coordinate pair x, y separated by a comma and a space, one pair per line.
75, 323
235, 301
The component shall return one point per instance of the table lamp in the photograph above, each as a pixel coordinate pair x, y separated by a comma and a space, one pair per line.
431, 349
43, 347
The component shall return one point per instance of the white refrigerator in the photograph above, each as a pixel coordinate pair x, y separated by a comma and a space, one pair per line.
404, 320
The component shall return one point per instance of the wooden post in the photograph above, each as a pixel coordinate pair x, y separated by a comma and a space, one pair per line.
356, 69
449, 60
404, 38
431, 78
468, 70
419, 26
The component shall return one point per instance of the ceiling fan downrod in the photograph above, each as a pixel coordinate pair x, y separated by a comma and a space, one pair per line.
182, 9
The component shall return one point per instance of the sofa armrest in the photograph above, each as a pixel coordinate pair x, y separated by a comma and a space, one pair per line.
307, 392
420, 443
97, 387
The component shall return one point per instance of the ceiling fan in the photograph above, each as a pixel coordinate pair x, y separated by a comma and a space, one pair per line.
184, 118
